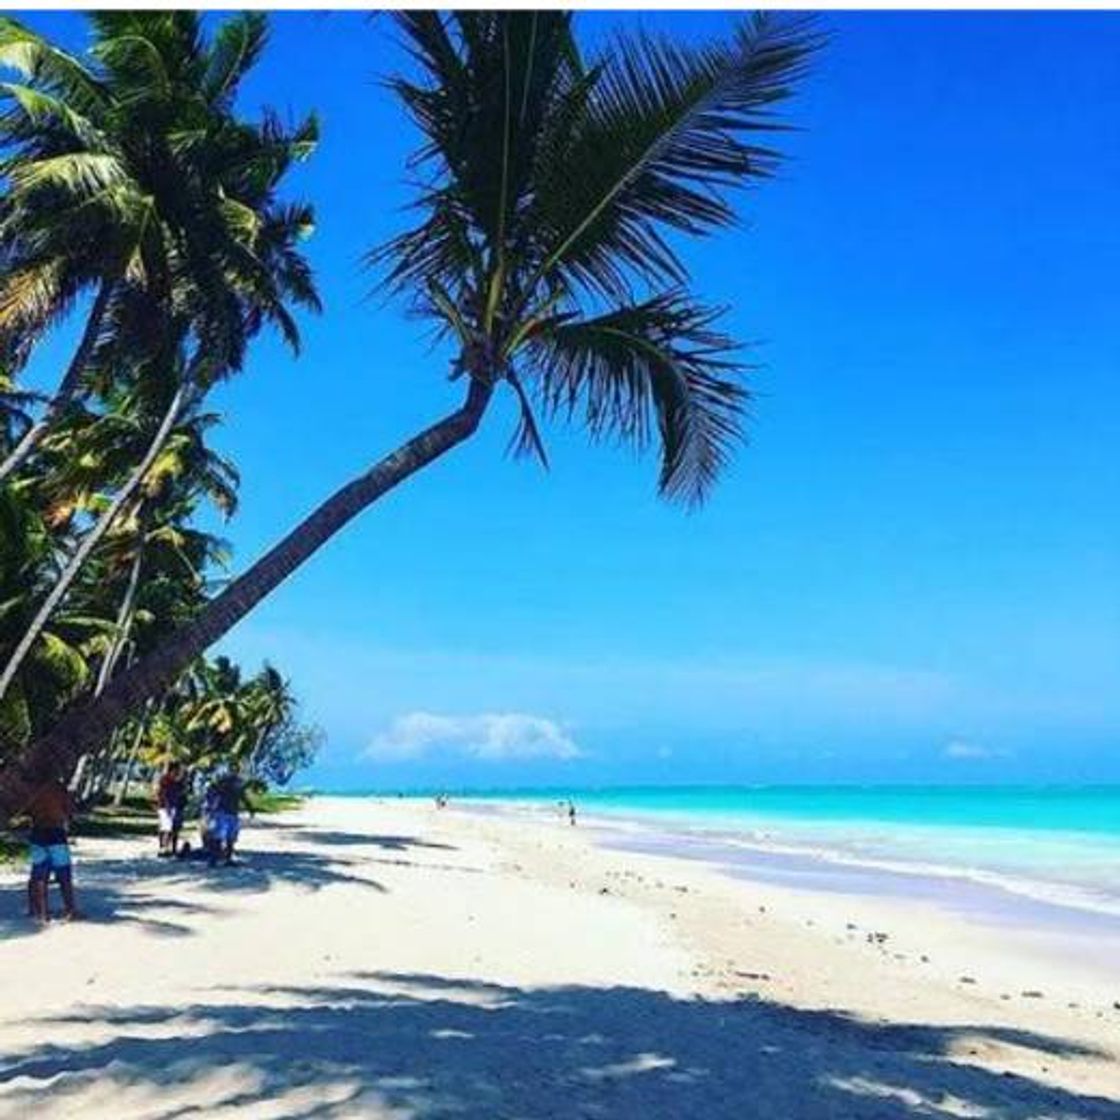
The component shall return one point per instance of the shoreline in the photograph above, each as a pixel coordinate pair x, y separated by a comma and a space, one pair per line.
387, 959
728, 843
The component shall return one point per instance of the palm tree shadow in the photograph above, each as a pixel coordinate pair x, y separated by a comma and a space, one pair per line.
252, 872
259, 871
107, 893
440, 1047
388, 843
105, 904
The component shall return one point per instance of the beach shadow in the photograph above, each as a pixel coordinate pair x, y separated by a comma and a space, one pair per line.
107, 887
371, 840
430, 1046
252, 872
103, 904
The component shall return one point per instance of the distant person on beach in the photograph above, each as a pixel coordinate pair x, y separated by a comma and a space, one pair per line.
572, 813
49, 850
229, 795
171, 802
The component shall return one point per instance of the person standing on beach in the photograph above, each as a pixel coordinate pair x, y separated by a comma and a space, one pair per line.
50, 809
230, 795
572, 813
171, 800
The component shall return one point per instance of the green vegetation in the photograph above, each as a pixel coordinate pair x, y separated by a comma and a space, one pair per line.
556, 189
270, 801
149, 207
135, 818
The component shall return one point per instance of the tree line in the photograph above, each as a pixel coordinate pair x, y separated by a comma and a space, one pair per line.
558, 190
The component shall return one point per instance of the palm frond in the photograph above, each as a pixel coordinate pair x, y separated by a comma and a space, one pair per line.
236, 47
526, 439
45, 109
660, 365
79, 174
38, 60
666, 131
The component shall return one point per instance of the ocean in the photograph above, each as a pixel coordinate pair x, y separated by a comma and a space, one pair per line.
1055, 846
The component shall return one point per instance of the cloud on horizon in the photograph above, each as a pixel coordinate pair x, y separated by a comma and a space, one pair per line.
962, 749
488, 736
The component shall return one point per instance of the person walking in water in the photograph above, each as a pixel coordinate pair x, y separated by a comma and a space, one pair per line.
50, 809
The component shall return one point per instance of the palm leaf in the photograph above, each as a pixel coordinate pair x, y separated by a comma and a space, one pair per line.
665, 133
657, 366
80, 174
36, 59
237, 45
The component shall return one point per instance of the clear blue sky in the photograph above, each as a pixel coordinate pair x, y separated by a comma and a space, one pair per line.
912, 573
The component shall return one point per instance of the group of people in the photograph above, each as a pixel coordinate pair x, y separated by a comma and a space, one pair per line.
51, 808
219, 822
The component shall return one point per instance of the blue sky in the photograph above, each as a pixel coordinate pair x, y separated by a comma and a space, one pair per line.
913, 571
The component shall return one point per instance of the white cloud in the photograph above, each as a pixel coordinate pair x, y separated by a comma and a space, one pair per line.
491, 736
962, 749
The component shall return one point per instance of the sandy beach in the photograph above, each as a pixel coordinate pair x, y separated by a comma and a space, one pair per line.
388, 959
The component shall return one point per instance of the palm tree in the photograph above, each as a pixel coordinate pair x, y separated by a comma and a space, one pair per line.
230, 286
270, 704
157, 436
133, 179
544, 253
59, 665
150, 572
156, 535
174, 452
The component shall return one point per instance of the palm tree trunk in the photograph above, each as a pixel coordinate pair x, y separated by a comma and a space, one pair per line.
133, 755
89, 542
67, 390
84, 774
123, 622
94, 775
92, 721
255, 753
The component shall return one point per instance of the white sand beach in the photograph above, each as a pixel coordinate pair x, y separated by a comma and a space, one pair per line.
387, 959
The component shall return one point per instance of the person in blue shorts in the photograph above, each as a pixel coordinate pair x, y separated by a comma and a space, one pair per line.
49, 850
228, 796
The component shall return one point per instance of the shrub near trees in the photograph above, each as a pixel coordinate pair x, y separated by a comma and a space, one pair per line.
557, 190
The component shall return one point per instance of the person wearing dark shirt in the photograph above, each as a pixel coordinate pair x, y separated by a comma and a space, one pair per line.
49, 850
171, 801
229, 796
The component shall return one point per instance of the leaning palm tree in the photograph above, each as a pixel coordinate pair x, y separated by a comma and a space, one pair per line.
556, 192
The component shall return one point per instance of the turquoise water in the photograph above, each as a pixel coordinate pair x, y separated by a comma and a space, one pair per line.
1085, 809
1058, 843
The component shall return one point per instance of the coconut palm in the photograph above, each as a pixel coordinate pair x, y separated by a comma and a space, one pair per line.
556, 192
224, 255
59, 665
169, 445
157, 435
270, 705
130, 178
